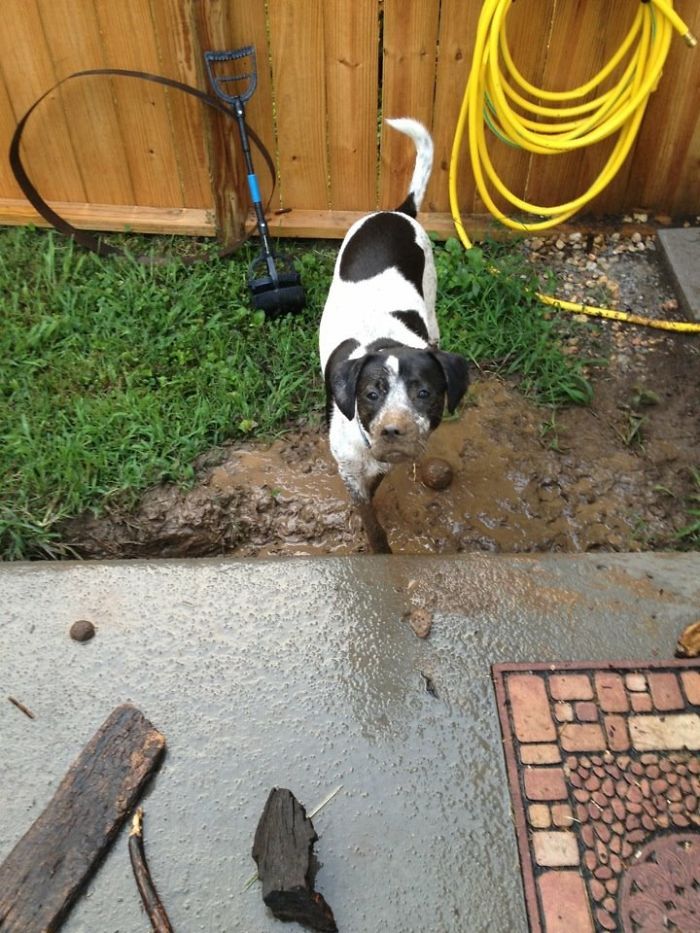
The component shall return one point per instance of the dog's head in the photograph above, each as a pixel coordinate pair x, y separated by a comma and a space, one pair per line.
398, 394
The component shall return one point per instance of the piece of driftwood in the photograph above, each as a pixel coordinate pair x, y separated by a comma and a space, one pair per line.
44, 873
149, 896
283, 848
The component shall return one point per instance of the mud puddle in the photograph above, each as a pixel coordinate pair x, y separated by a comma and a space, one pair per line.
524, 479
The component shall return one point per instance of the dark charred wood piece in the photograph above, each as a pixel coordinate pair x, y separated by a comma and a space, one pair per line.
283, 848
43, 875
142, 874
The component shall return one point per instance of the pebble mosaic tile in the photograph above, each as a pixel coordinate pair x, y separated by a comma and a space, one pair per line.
603, 762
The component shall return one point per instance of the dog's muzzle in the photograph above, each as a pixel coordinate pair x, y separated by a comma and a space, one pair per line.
396, 437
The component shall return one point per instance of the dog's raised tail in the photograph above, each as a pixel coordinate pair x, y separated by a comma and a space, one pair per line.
424, 162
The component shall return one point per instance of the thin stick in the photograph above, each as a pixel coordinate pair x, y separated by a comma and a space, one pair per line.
144, 882
327, 799
22, 707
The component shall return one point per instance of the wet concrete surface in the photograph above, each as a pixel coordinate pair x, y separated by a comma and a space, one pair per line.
304, 674
680, 248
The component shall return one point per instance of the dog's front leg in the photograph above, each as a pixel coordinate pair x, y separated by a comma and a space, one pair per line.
373, 529
362, 488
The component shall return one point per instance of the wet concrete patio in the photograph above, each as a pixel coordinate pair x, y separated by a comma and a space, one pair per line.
304, 674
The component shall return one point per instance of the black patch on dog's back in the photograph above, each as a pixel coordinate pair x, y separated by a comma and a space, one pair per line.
386, 240
414, 322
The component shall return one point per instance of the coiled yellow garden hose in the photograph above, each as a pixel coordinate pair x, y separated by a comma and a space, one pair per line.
495, 86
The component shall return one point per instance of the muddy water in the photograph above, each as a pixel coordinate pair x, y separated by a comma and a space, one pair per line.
510, 492
521, 483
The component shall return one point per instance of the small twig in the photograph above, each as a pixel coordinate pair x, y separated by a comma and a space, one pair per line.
327, 799
144, 882
22, 707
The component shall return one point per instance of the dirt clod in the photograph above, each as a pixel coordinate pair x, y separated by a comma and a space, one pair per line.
420, 620
82, 630
436, 473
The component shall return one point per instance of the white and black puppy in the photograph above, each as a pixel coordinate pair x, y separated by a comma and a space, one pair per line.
387, 382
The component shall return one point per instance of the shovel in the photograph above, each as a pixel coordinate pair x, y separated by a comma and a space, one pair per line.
274, 284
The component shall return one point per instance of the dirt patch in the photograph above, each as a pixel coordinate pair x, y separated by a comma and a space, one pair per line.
615, 475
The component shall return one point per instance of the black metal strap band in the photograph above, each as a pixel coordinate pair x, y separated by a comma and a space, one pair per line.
84, 237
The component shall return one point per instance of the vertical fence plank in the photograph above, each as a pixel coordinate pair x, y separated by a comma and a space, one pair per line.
686, 199
172, 23
666, 163
352, 74
410, 55
296, 41
212, 31
583, 37
27, 67
8, 186
458, 22
610, 32
88, 103
249, 27
129, 42
528, 33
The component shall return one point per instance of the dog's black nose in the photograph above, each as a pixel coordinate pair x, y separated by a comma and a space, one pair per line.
391, 430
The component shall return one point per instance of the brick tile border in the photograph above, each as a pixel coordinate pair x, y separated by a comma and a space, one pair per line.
617, 678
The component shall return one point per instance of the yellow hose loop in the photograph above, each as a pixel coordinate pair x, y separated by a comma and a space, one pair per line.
583, 89
495, 87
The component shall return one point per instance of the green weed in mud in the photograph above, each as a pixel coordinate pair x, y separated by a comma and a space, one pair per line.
115, 376
689, 536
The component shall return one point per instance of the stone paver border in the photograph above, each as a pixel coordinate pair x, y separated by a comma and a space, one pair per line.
589, 747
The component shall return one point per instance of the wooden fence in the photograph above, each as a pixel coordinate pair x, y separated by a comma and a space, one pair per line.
113, 152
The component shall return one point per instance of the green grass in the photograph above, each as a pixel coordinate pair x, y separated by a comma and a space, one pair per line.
498, 319
115, 376
688, 537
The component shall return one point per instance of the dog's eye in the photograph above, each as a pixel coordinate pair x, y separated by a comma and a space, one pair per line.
423, 393
372, 395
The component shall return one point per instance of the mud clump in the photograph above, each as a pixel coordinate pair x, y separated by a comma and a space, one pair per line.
420, 620
436, 473
82, 630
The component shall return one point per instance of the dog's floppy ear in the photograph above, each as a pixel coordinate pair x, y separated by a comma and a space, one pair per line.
344, 378
342, 375
456, 373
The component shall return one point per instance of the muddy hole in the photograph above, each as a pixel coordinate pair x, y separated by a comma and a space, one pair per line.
525, 479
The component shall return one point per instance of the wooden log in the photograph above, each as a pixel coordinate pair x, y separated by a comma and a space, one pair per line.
282, 848
42, 876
